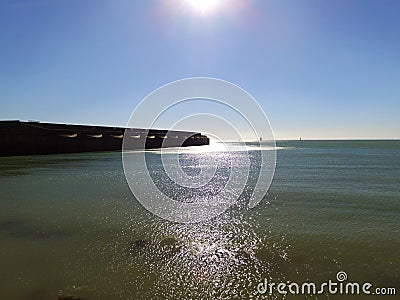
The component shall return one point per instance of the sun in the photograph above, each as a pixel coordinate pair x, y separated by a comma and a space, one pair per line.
205, 6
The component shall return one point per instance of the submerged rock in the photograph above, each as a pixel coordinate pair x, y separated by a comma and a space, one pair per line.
137, 246
170, 246
68, 297
169, 242
11, 224
139, 243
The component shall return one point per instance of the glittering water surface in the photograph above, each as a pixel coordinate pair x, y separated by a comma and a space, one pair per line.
70, 225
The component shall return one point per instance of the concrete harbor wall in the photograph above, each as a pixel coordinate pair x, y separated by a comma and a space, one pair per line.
30, 138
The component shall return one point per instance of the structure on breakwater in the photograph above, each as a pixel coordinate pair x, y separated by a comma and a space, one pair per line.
30, 138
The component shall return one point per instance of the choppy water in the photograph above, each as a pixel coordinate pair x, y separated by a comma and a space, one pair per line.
70, 225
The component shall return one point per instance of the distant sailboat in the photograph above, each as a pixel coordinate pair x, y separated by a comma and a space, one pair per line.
300, 139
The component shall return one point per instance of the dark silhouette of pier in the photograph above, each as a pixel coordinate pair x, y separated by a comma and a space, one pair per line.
30, 138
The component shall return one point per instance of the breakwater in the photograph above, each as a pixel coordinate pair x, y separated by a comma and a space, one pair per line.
30, 138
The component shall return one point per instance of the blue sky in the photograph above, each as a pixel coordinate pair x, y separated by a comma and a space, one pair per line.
319, 69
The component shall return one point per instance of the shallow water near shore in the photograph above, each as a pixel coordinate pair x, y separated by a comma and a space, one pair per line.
70, 225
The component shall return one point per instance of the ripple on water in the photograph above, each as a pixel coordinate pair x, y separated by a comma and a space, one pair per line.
155, 259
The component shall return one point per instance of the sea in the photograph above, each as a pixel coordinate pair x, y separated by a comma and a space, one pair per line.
70, 226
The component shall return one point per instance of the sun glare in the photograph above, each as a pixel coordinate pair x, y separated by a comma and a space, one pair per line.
205, 6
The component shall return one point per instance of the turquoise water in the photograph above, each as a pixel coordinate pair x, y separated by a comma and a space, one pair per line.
69, 225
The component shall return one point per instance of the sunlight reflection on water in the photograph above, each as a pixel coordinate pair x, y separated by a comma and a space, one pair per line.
218, 259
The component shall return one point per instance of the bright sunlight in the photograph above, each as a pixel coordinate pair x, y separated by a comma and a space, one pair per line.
205, 6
